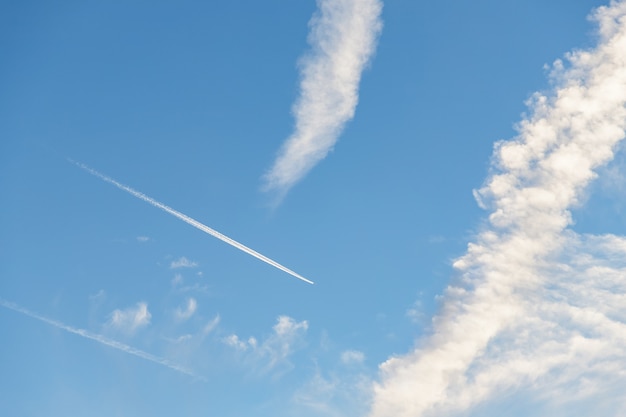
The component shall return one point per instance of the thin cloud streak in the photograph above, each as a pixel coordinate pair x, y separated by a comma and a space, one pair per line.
99, 338
190, 221
538, 308
343, 35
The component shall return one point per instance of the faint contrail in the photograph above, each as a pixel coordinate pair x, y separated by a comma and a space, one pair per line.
98, 338
190, 221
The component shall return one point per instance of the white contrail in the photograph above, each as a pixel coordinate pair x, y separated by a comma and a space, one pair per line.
190, 221
99, 338
343, 38
539, 308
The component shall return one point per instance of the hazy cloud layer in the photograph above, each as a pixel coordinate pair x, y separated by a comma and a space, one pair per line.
538, 309
342, 36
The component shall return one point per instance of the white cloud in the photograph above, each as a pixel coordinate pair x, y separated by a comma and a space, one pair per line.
537, 307
142, 239
350, 357
188, 311
234, 341
286, 336
183, 262
211, 325
128, 321
343, 38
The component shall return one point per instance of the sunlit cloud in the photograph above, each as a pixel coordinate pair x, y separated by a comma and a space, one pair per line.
538, 308
342, 36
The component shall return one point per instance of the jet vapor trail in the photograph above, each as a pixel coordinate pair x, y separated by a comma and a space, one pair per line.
192, 222
98, 338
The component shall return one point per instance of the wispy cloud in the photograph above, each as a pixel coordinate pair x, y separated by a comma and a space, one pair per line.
275, 350
342, 36
182, 262
188, 311
352, 357
211, 325
98, 338
235, 342
128, 321
538, 307
142, 239
333, 395
190, 221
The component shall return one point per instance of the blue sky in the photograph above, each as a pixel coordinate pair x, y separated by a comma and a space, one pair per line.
450, 278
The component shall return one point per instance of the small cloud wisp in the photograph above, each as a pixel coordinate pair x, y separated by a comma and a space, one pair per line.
129, 320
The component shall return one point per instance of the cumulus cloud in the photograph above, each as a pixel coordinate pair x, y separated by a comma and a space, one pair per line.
342, 36
188, 311
273, 351
182, 262
128, 321
537, 307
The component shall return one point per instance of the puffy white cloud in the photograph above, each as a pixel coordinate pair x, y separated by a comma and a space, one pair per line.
537, 307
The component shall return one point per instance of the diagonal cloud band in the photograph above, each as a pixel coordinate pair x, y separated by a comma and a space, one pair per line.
342, 36
191, 222
539, 308
98, 338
